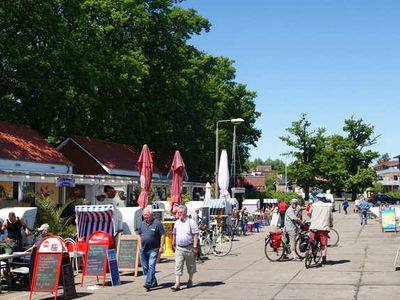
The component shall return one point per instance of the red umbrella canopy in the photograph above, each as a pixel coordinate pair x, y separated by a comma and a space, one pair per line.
177, 170
145, 167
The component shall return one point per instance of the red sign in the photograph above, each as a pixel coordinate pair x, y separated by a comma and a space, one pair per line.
96, 255
46, 271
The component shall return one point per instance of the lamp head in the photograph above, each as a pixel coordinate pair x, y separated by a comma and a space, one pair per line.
237, 121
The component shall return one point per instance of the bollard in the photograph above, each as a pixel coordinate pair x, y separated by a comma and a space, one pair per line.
340, 208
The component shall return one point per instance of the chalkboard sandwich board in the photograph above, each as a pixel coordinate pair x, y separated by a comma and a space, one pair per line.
96, 259
128, 253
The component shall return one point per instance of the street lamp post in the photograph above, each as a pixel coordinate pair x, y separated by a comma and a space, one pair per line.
234, 121
233, 168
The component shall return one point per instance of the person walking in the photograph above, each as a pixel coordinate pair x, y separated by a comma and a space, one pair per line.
363, 207
282, 206
345, 205
321, 221
185, 242
151, 242
291, 227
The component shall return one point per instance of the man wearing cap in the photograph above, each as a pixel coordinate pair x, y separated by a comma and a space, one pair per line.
291, 221
321, 221
44, 230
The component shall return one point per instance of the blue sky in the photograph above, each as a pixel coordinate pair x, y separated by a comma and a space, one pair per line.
330, 59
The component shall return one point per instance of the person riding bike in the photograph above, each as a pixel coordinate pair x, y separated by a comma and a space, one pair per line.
321, 221
291, 227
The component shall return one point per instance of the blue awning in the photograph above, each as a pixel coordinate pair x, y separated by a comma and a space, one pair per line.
214, 203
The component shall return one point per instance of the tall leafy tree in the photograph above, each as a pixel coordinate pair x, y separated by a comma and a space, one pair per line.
307, 143
358, 158
123, 71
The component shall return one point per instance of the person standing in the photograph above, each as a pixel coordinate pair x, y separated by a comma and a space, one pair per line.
151, 242
291, 227
185, 242
321, 221
282, 206
363, 207
345, 205
245, 219
14, 226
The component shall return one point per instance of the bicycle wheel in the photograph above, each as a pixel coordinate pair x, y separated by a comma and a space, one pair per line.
333, 240
308, 259
273, 254
317, 252
222, 244
205, 245
297, 248
228, 230
239, 229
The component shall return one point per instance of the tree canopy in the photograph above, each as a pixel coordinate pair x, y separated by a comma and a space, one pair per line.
332, 162
122, 71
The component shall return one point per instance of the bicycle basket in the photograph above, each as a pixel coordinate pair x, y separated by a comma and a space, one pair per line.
276, 239
304, 243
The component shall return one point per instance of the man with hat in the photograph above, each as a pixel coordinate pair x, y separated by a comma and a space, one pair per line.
44, 230
321, 222
291, 227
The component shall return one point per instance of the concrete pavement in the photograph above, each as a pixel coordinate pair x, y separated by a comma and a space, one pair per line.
361, 267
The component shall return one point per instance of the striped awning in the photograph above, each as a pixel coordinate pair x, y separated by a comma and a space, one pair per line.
90, 218
214, 203
270, 201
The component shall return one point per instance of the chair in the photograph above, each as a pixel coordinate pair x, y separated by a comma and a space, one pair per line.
73, 254
23, 273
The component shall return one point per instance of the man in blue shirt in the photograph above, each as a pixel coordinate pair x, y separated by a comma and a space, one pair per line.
151, 243
363, 207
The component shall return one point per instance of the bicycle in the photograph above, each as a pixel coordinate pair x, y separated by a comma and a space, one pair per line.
275, 248
237, 227
333, 236
215, 240
314, 251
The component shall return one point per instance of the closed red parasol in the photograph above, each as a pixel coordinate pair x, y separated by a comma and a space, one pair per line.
145, 167
177, 169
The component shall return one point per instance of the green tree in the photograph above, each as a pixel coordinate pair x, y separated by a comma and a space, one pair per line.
307, 144
332, 173
384, 157
121, 71
360, 136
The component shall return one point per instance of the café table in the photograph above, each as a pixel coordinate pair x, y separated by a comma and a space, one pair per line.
7, 259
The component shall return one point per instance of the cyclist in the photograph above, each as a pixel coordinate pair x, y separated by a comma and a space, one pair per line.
321, 221
291, 227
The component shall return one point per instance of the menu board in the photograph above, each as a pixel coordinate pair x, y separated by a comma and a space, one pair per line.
96, 260
68, 281
46, 279
113, 266
128, 253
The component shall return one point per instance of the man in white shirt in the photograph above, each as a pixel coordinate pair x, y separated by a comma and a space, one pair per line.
185, 242
321, 221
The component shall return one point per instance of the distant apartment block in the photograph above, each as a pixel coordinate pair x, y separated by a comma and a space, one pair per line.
389, 174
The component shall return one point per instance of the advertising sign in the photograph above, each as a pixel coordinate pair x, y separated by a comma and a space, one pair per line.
388, 219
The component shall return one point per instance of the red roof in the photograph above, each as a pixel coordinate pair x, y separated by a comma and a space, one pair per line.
112, 155
20, 142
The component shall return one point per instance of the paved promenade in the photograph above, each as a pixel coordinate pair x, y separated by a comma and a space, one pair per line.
361, 267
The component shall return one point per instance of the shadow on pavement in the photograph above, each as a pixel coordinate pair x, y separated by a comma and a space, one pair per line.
209, 283
337, 262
